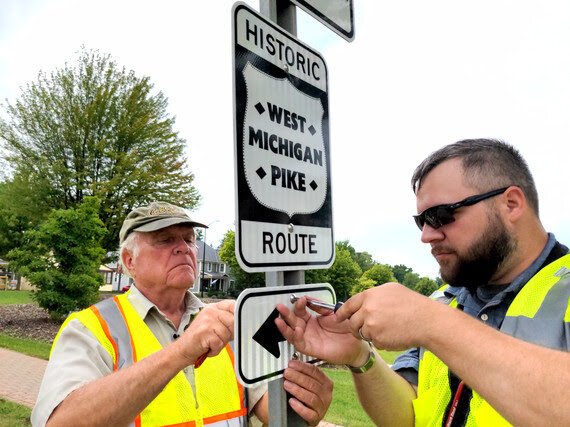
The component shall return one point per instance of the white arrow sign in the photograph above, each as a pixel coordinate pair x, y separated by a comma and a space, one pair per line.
261, 352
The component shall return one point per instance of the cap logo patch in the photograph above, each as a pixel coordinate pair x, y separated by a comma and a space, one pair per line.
165, 210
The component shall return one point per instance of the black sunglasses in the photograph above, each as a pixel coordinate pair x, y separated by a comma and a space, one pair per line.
440, 215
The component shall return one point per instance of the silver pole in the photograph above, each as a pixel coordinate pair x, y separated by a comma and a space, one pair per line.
283, 13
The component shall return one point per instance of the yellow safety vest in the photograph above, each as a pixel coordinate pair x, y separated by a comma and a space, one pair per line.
540, 314
124, 335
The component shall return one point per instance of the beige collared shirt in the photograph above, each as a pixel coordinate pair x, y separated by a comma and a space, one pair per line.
78, 358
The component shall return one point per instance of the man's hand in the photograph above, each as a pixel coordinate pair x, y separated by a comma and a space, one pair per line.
311, 391
392, 316
209, 332
324, 337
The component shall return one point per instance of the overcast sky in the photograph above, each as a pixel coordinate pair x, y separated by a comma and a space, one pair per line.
417, 76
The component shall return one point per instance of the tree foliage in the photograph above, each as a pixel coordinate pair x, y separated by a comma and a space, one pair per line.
411, 279
92, 129
342, 275
380, 274
362, 284
243, 279
62, 257
426, 286
400, 272
363, 259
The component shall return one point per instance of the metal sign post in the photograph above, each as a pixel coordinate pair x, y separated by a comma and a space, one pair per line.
280, 413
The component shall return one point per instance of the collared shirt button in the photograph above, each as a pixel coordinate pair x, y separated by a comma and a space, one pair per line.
484, 317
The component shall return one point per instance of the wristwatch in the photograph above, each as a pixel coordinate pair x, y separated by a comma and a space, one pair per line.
367, 365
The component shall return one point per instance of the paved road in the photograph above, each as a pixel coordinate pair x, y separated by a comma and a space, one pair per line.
21, 376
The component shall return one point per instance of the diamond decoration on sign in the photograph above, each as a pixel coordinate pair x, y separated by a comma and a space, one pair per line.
313, 185
259, 108
261, 173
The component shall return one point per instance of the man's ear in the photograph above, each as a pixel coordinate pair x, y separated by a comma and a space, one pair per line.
516, 203
127, 259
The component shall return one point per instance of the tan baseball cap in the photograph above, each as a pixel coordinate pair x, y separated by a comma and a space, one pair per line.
154, 217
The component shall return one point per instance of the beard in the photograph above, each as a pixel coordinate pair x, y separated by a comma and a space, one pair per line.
482, 260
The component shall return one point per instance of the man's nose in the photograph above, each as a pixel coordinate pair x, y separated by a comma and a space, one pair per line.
430, 234
183, 246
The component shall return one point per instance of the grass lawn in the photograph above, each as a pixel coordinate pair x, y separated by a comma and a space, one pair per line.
15, 297
345, 409
27, 346
14, 415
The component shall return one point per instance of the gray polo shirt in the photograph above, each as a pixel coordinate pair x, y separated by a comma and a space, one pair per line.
78, 357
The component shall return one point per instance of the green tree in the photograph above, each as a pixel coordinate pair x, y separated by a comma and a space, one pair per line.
342, 275
411, 279
363, 259
243, 279
62, 257
93, 129
316, 276
17, 214
362, 284
426, 286
400, 272
380, 274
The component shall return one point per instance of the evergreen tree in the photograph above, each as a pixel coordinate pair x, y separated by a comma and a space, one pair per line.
61, 258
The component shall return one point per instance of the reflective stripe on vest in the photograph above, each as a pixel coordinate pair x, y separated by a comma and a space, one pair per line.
539, 314
126, 337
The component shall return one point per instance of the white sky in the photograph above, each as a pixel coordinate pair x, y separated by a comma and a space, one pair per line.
417, 76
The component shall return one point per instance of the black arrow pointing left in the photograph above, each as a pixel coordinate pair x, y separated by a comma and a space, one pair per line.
268, 336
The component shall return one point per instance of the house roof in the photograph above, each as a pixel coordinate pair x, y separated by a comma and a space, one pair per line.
211, 253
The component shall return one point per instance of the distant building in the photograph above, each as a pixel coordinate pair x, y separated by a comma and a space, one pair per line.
212, 271
115, 279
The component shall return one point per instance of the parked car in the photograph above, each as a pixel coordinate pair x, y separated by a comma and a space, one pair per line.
125, 288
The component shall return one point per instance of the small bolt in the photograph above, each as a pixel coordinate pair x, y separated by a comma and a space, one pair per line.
296, 356
286, 68
290, 227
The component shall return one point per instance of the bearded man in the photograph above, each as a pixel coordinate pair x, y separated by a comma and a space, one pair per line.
491, 347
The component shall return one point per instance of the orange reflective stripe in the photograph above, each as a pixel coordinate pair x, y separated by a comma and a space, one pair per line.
134, 350
186, 424
107, 332
240, 387
222, 417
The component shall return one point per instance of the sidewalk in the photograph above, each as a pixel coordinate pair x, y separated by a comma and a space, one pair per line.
20, 377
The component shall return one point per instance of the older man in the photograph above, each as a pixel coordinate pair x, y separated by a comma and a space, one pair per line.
157, 355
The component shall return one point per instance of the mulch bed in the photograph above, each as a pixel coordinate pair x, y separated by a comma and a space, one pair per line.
27, 321
33, 322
